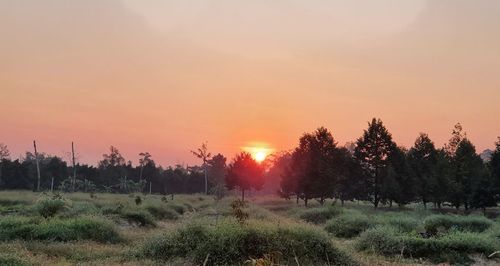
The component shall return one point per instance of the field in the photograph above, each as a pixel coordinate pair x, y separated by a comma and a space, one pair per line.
136, 229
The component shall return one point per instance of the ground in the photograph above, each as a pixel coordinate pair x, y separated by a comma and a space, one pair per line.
137, 229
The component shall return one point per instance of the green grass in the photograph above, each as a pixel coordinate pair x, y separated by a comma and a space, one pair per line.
229, 243
348, 225
435, 224
83, 228
320, 214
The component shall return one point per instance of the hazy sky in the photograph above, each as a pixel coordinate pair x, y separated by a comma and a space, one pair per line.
164, 75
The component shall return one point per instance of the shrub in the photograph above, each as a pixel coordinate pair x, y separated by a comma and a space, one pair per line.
348, 225
162, 212
400, 222
450, 248
229, 243
49, 207
139, 217
320, 215
436, 223
84, 228
138, 200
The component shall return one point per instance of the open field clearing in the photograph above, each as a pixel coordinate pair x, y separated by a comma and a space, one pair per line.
136, 229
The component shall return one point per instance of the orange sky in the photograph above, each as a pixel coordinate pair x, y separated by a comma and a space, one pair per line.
164, 76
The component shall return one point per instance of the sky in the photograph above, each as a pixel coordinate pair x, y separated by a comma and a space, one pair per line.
163, 76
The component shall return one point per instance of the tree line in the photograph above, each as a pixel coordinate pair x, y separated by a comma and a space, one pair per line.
376, 169
373, 168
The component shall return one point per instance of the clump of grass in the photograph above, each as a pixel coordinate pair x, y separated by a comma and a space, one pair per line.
80, 208
229, 243
139, 217
49, 207
180, 209
83, 228
400, 222
162, 212
439, 223
320, 215
12, 260
348, 225
453, 247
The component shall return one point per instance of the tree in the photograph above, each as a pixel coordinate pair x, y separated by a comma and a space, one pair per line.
204, 155
423, 160
216, 173
314, 170
399, 182
111, 167
494, 166
468, 169
4, 155
372, 152
145, 159
244, 173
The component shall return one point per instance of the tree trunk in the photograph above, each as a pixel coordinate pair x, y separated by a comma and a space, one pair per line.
305, 201
37, 167
297, 199
342, 202
74, 166
390, 203
242, 195
425, 204
206, 178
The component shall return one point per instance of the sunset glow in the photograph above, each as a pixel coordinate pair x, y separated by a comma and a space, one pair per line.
259, 151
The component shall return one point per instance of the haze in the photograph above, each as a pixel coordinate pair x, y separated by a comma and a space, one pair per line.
164, 76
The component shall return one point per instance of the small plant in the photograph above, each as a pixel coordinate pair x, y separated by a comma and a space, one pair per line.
138, 200
348, 225
164, 199
49, 207
237, 211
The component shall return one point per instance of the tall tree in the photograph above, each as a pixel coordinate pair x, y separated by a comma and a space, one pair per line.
468, 170
217, 170
244, 173
204, 155
372, 152
494, 165
399, 182
4, 155
143, 160
111, 168
423, 160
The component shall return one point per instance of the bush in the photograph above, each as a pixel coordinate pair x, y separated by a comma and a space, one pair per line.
229, 243
49, 207
139, 217
320, 215
162, 212
437, 223
348, 225
453, 247
84, 228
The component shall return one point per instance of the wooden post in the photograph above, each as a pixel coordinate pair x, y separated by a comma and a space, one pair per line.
74, 167
150, 187
52, 185
37, 167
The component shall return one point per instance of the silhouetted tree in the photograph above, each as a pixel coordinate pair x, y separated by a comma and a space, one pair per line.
4, 155
372, 152
423, 160
204, 155
399, 182
244, 173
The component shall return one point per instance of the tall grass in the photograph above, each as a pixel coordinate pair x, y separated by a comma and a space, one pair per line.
348, 225
83, 228
229, 243
439, 223
319, 215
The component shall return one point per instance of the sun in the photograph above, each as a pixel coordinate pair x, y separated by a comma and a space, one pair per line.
259, 156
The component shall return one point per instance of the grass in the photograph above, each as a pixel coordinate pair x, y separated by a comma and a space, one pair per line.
229, 243
105, 229
348, 225
320, 214
83, 228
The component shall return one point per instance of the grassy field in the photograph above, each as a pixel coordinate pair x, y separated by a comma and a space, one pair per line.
118, 229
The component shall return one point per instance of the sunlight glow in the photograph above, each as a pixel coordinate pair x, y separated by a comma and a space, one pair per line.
258, 151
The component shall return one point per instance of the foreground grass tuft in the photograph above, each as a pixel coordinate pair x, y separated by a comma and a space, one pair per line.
438, 223
231, 243
348, 225
320, 215
83, 228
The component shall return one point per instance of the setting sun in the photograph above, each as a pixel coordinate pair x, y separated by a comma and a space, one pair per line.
259, 151
260, 156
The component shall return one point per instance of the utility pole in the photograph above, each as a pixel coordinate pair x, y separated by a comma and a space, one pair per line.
37, 167
74, 167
